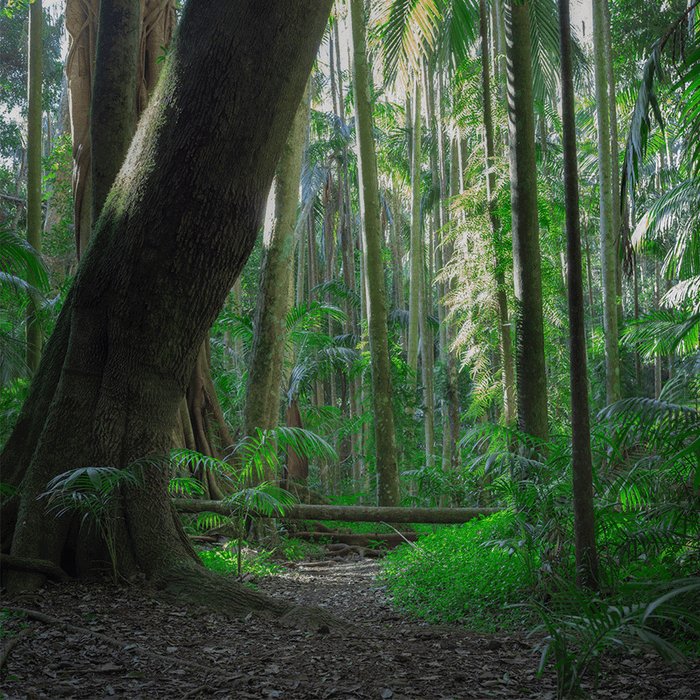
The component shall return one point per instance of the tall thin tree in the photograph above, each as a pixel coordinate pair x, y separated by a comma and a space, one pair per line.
384, 425
34, 215
582, 467
531, 371
608, 253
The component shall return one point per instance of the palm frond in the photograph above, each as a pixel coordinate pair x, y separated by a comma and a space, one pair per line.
459, 28
407, 30
641, 125
672, 427
19, 262
664, 332
339, 290
544, 39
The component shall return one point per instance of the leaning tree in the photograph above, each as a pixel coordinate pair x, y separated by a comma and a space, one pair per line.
174, 234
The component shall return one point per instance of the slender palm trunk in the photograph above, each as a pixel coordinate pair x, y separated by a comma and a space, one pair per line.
416, 239
494, 222
614, 156
531, 370
607, 234
34, 331
384, 430
582, 466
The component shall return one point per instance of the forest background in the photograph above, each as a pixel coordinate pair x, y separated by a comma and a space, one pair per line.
412, 278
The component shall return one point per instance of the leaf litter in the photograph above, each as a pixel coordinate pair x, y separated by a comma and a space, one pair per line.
101, 641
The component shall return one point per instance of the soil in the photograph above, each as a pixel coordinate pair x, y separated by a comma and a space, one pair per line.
102, 641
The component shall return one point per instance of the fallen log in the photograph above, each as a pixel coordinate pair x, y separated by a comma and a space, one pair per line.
363, 539
374, 514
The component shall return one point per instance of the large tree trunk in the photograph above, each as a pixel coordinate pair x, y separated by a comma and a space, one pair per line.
384, 426
132, 36
175, 232
113, 106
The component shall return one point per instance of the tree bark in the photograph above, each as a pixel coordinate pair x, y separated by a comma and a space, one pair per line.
495, 224
384, 427
353, 514
264, 385
582, 464
608, 257
113, 104
416, 239
34, 331
531, 371
81, 26
175, 232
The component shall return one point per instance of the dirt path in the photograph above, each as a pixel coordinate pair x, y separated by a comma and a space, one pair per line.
168, 651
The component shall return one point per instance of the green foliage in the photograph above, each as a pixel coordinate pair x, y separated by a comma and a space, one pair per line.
576, 642
250, 456
58, 242
254, 452
459, 574
225, 561
94, 492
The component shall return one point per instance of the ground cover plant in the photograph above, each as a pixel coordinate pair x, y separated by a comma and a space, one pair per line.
461, 574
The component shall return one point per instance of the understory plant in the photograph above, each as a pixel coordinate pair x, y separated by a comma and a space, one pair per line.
252, 497
95, 493
458, 573
575, 642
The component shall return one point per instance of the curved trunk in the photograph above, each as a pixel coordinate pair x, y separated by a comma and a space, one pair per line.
132, 36
174, 233
113, 105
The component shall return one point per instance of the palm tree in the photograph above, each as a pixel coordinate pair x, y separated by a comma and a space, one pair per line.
582, 463
34, 331
531, 379
384, 428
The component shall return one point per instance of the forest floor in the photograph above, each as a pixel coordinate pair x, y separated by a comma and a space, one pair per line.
135, 643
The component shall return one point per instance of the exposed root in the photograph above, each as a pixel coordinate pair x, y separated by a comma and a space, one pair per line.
226, 595
37, 566
11, 643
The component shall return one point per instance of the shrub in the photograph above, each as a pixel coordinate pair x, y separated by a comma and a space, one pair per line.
459, 574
